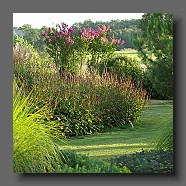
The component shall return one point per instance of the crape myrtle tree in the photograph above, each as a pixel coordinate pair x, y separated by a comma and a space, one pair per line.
156, 37
66, 46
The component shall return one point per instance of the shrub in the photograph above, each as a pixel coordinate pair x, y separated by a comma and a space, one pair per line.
75, 163
89, 104
28, 63
156, 36
121, 65
83, 105
67, 47
147, 162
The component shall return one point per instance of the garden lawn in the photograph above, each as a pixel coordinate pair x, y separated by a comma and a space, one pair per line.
130, 53
117, 142
133, 54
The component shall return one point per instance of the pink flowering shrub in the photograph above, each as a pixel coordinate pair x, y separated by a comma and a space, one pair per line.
60, 41
100, 46
66, 46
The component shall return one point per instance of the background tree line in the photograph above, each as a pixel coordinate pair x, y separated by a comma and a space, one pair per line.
124, 29
32, 35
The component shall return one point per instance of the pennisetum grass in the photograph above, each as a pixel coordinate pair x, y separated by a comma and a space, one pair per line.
34, 149
165, 141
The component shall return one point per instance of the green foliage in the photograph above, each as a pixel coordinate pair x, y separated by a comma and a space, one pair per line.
147, 162
20, 42
157, 37
28, 63
80, 104
34, 147
32, 35
83, 105
86, 105
121, 65
34, 150
24, 55
75, 163
165, 142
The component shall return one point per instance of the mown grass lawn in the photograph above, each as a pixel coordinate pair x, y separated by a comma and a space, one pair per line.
134, 54
130, 53
117, 142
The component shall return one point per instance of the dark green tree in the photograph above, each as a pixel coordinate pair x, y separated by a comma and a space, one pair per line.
156, 37
32, 35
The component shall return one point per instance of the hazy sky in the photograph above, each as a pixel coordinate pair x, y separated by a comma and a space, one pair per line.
37, 20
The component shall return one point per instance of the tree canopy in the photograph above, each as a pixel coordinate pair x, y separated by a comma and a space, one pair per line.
156, 36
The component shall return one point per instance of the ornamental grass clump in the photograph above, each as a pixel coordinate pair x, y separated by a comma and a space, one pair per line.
166, 140
34, 149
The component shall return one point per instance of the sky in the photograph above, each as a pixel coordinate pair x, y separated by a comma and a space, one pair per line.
37, 20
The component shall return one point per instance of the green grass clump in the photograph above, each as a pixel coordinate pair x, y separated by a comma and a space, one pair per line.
166, 139
34, 150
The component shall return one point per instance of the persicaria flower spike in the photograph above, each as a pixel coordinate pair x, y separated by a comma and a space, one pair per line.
108, 29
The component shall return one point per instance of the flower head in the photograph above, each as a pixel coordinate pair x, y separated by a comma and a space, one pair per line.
122, 42
104, 39
64, 25
95, 33
44, 35
71, 30
104, 28
49, 29
51, 39
58, 26
71, 42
